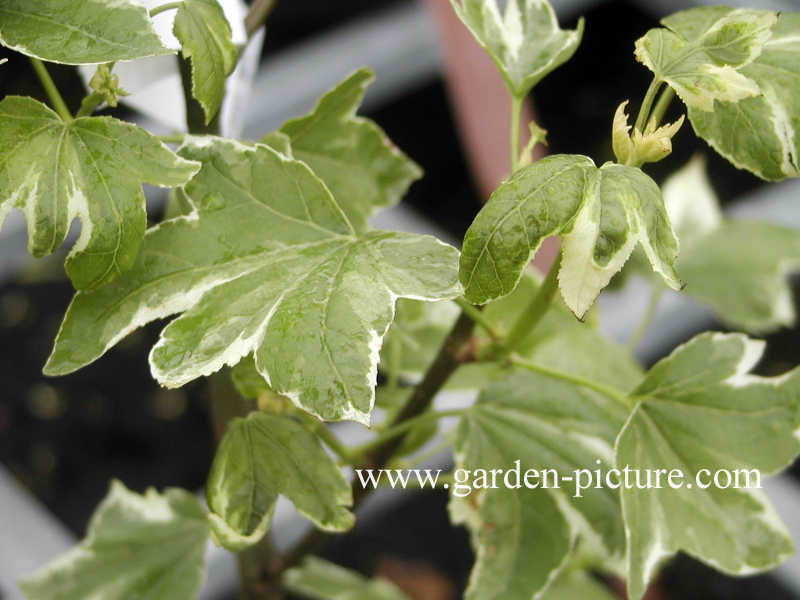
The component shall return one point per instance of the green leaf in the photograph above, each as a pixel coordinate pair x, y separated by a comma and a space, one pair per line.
737, 268
416, 334
78, 32
246, 378
523, 536
652, 145
91, 168
762, 134
148, 546
705, 65
205, 37
525, 42
352, 155
601, 214
322, 580
261, 457
267, 264
699, 409
577, 585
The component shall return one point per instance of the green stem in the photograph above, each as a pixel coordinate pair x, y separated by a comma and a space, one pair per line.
649, 97
435, 450
165, 7
176, 138
535, 310
475, 313
516, 112
52, 91
606, 391
661, 107
331, 441
649, 313
401, 428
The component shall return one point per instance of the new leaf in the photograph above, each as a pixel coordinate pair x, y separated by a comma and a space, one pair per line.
148, 546
78, 32
601, 214
91, 168
205, 37
260, 458
698, 409
266, 264
322, 580
525, 43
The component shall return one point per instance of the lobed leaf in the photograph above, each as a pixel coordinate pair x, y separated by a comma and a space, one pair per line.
261, 457
352, 155
525, 42
602, 214
137, 546
762, 134
703, 66
78, 32
91, 168
266, 264
322, 580
205, 37
699, 409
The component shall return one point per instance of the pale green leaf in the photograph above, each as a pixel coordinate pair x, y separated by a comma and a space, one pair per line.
638, 148
416, 334
148, 546
577, 585
205, 37
700, 409
261, 457
706, 66
79, 32
321, 580
352, 155
267, 264
91, 168
525, 42
738, 268
524, 535
762, 134
246, 378
602, 214
741, 271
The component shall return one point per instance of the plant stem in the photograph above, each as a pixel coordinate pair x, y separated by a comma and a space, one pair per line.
476, 314
259, 11
516, 112
51, 90
535, 310
606, 391
652, 306
164, 8
455, 351
347, 455
661, 107
395, 430
176, 138
649, 97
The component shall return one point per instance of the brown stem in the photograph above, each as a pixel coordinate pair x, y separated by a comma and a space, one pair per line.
259, 11
456, 350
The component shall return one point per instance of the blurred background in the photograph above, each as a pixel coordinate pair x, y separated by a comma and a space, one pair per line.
439, 99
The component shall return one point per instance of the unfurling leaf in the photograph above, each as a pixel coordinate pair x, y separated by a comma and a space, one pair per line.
699, 411
652, 145
264, 456
738, 268
704, 65
601, 213
352, 155
105, 88
91, 168
525, 42
205, 37
322, 580
148, 546
78, 32
269, 265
